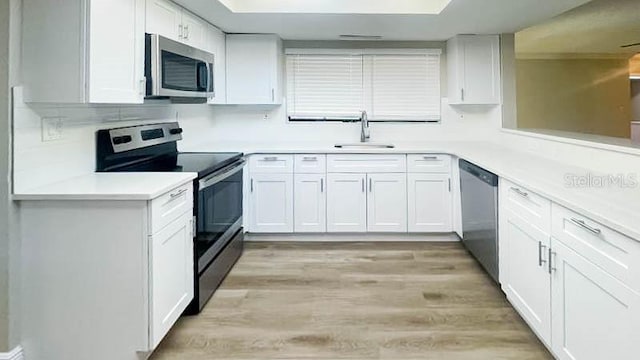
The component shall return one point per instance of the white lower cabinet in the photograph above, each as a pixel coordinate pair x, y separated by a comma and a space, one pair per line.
271, 203
525, 273
387, 203
572, 279
430, 202
310, 203
346, 203
595, 316
171, 275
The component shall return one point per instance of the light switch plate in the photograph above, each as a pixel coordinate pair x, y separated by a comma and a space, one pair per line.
52, 128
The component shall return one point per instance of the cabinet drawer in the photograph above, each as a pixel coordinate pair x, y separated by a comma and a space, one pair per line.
528, 205
310, 164
429, 163
171, 206
612, 251
271, 164
354, 163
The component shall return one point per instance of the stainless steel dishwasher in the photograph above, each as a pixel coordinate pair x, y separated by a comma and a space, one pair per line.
479, 189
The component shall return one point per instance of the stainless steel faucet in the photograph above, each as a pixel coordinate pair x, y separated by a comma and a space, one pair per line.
364, 132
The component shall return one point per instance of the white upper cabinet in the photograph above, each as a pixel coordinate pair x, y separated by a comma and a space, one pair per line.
194, 30
176, 23
83, 51
216, 44
254, 69
164, 18
474, 69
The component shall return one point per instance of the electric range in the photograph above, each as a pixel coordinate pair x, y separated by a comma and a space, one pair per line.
217, 212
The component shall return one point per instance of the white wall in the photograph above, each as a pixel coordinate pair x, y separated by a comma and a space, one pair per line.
39, 162
237, 125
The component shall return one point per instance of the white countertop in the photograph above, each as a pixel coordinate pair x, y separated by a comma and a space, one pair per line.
614, 206
109, 186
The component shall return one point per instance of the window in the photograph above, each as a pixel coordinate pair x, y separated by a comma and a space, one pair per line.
391, 85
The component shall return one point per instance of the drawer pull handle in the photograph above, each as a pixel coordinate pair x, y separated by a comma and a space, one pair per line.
541, 249
309, 158
176, 194
550, 259
584, 225
270, 158
430, 158
520, 192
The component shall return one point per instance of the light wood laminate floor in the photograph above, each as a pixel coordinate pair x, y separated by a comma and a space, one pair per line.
359, 300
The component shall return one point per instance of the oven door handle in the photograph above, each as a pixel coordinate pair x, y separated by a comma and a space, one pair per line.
216, 178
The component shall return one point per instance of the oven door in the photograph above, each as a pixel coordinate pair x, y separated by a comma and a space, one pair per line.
173, 69
219, 212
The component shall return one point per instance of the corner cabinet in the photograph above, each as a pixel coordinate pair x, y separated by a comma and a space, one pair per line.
254, 67
125, 264
474, 70
95, 48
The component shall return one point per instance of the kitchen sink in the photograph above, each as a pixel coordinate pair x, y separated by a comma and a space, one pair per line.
364, 146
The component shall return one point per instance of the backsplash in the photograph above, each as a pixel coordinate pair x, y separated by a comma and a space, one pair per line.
38, 162
206, 128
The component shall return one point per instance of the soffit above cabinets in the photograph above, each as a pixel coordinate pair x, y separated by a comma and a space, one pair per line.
402, 20
429, 7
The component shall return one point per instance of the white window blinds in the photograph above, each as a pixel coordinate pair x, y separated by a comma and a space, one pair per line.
324, 85
391, 85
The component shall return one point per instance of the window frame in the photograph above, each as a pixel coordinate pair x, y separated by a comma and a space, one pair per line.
364, 52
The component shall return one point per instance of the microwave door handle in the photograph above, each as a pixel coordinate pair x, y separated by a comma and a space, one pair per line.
210, 83
202, 82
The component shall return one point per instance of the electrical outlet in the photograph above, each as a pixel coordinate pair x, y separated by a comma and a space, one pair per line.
52, 128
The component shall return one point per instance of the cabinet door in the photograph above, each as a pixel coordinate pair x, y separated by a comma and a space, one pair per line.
346, 203
387, 203
194, 30
171, 275
481, 69
595, 316
310, 205
164, 18
429, 197
524, 271
271, 203
252, 69
116, 51
216, 44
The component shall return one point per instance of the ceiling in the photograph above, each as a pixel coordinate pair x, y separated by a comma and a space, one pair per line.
459, 17
598, 27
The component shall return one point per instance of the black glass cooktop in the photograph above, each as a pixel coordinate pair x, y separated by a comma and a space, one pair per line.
202, 163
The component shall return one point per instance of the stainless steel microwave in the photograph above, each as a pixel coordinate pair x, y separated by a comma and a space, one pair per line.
176, 70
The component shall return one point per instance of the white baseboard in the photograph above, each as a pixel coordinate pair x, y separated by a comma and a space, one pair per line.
364, 237
15, 354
